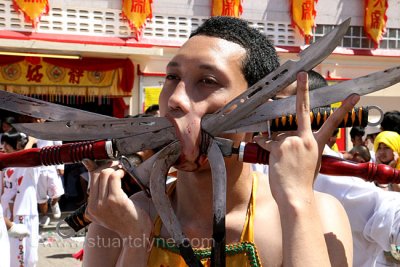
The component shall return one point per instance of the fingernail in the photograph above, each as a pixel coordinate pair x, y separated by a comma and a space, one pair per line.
302, 76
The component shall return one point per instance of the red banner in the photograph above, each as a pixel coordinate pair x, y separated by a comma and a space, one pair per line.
375, 19
32, 9
303, 15
230, 8
137, 12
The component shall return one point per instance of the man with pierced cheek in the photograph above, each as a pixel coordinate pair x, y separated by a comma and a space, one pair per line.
271, 221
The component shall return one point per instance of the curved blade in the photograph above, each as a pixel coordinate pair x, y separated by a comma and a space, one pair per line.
256, 121
44, 110
274, 82
94, 129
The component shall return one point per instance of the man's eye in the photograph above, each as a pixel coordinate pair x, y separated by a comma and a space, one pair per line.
208, 81
171, 77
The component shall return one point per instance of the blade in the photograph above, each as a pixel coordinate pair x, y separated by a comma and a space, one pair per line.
44, 110
94, 129
256, 121
271, 84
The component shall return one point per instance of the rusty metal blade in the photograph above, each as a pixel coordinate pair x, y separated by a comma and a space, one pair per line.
218, 171
44, 110
279, 79
256, 120
94, 129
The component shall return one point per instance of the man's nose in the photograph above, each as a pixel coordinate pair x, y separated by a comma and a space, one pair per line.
179, 99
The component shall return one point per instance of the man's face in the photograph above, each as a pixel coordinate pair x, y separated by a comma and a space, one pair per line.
202, 77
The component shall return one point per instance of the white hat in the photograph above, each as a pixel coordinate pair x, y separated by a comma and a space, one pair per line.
372, 130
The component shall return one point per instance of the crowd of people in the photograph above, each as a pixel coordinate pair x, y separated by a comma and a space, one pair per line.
283, 214
26, 194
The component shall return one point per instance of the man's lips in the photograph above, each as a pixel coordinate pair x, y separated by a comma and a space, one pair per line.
186, 132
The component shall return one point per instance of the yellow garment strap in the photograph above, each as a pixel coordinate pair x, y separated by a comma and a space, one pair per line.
248, 228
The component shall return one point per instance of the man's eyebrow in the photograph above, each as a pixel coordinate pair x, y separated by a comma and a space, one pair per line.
172, 64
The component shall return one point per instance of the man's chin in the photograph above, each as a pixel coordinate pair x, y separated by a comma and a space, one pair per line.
192, 166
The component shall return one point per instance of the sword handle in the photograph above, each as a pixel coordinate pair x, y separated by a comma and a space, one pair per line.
371, 172
358, 116
55, 155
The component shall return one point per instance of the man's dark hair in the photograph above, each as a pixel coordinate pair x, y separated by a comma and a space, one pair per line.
261, 57
391, 121
357, 131
362, 151
315, 80
152, 108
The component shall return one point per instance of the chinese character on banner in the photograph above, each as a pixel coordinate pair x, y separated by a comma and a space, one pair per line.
231, 8
137, 12
375, 19
32, 9
303, 14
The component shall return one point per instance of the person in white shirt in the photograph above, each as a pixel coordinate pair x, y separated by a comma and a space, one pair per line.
50, 186
23, 250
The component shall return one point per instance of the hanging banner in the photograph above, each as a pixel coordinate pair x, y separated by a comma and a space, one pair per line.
32, 9
230, 8
137, 12
303, 15
375, 19
89, 76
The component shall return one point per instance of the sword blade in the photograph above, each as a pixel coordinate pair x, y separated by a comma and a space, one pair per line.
94, 129
257, 120
44, 110
274, 82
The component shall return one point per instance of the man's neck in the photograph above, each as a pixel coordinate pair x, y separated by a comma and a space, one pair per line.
194, 192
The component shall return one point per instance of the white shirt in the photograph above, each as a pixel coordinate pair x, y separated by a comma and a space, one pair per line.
26, 200
374, 215
10, 189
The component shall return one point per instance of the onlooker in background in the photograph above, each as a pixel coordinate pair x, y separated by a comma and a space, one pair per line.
6, 124
360, 154
371, 132
50, 185
391, 121
23, 251
387, 150
153, 110
357, 136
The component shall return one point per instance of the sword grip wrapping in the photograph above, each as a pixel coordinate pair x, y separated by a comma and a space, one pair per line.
55, 155
369, 171
77, 220
358, 116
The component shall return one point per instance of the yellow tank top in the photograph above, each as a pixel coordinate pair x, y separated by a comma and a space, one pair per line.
241, 254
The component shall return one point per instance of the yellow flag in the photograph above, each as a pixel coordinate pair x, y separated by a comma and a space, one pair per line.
137, 12
375, 19
230, 8
303, 16
32, 9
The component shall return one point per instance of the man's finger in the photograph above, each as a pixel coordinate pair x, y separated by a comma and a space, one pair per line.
91, 166
114, 183
336, 118
302, 104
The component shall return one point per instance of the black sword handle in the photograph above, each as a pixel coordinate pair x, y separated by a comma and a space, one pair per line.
358, 116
